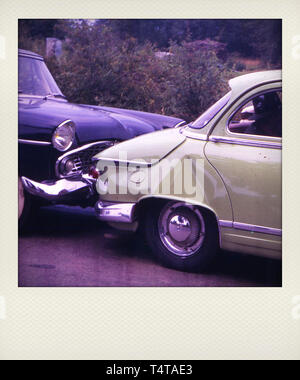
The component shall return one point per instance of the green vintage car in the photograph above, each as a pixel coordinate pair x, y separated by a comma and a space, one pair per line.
214, 183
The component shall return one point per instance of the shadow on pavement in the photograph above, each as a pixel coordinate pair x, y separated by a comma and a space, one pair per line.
61, 221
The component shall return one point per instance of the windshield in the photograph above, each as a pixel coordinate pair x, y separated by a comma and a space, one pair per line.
35, 78
211, 112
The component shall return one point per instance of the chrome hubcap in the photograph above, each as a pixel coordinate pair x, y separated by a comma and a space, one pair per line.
21, 197
181, 229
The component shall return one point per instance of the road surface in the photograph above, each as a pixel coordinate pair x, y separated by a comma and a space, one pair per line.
68, 247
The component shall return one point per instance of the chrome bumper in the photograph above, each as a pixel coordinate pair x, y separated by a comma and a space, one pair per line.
58, 190
115, 213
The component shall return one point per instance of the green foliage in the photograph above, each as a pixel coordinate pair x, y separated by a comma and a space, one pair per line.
38, 45
119, 63
195, 81
249, 37
256, 38
98, 67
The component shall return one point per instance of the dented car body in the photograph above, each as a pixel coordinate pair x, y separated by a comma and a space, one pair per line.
234, 151
57, 139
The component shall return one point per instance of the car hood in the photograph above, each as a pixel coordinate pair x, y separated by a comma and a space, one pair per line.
39, 117
148, 149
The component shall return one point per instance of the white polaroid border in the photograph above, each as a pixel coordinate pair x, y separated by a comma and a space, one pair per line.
149, 323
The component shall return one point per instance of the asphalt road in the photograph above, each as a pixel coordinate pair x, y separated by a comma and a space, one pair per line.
68, 247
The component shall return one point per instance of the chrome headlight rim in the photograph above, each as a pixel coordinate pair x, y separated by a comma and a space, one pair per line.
64, 124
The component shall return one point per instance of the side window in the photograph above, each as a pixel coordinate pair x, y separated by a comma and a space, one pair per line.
261, 116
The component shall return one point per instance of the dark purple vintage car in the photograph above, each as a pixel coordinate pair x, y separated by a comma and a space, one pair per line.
58, 139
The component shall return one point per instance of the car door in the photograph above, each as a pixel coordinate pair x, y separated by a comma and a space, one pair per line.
245, 148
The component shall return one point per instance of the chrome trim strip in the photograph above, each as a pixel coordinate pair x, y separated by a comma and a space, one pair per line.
225, 223
259, 229
193, 135
117, 213
123, 162
33, 142
22, 95
84, 147
181, 123
250, 227
196, 136
237, 141
266, 138
66, 122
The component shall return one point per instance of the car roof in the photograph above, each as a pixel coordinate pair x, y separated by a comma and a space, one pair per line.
30, 54
248, 81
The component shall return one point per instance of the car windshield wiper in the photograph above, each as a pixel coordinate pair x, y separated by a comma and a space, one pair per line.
55, 96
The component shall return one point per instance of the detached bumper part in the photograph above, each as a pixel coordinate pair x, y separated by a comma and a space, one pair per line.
115, 213
57, 190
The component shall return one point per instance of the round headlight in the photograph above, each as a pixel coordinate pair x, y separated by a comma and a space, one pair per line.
63, 136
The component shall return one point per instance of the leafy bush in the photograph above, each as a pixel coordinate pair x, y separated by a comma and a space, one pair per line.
195, 81
98, 67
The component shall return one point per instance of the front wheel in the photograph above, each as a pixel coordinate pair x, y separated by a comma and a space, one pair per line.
25, 207
182, 236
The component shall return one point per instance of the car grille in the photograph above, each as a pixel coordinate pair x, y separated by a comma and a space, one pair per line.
82, 157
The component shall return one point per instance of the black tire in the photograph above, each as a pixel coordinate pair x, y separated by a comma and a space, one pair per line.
27, 208
197, 261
